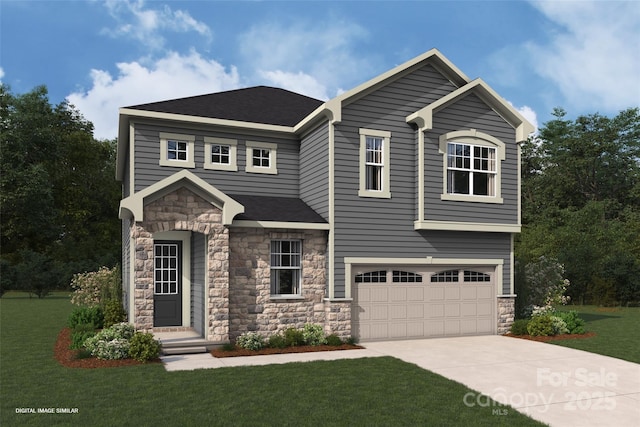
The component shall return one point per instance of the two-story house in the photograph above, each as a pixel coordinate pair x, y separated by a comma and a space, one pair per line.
387, 212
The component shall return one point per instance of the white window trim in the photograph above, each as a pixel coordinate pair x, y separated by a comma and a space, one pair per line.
189, 139
479, 139
273, 149
233, 156
299, 269
385, 193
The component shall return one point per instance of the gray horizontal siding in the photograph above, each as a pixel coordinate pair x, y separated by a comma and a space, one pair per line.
470, 113
285, 183
370, 227
314, 170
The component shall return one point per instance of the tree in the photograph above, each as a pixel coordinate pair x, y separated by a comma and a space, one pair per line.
58, 193
581, 203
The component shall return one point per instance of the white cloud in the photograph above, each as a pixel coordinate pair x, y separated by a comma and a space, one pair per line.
299, 55
593, 55
146, 25
173, 76
1, 74
528, 113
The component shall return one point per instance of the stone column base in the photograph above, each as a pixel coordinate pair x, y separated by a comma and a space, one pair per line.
506, 313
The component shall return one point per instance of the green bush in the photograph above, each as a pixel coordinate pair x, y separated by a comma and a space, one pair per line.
313, 334
334, 340
111, 343
113, 313
228, 347
540, 326
519, 327
250, 341
293, 337
351, 341
86, 315
575, 325
277, 341
559, 326
143, 347
80, 334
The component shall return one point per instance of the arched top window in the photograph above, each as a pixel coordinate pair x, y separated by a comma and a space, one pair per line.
472, 166
406, 277
445, 276
372, 277
476, 276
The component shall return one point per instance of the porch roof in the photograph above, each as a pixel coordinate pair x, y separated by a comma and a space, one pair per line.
277, 209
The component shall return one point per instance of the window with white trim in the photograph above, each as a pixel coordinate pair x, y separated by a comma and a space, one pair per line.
261, 157
374, 163
471, 169
476, 276
472, 166
400, 276
220, 153
286, 267
445, 276
177, 150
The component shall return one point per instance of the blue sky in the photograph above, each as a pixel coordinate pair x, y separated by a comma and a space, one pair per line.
103, 55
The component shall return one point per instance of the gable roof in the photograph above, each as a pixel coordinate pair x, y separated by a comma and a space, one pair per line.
260, 104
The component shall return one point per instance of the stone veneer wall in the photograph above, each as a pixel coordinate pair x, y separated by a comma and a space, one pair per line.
251, 307
183, 210
506, 314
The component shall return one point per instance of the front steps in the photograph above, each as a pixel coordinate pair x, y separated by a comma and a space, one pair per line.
184, 342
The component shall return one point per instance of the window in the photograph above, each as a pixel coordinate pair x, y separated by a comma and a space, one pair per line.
167, 268
471, 169
476, 276
406, 277
372, 277
176, 150
285, 267
472, 166
220, 154
445, 276
374, 163
261, 157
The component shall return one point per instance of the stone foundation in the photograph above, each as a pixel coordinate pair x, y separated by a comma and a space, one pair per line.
506, 313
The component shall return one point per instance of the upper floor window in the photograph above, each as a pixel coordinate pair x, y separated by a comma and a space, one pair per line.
374, 163
471, 169
177, 150
472, 166
261, 157
285, 267
220, 154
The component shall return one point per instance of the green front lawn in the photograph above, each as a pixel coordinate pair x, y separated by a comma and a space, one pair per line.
617, 331
362, 392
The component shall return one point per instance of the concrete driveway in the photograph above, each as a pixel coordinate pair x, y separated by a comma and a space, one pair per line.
556, 385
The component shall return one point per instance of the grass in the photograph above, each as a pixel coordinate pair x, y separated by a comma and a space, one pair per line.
375, 391
617, 332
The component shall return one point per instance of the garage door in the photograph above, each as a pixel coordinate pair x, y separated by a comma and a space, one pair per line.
405, 303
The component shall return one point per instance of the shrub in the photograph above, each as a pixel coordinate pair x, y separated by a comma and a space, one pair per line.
351, 341
277, 341
86, 315
111, 343
80, 334
540, 326
250, 341
143, 347
559, 326
313, 334
333, 340
88, 287
293, 337
113, 313
228, 347
519, 327
575, 325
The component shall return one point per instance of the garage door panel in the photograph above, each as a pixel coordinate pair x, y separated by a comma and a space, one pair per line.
416, 309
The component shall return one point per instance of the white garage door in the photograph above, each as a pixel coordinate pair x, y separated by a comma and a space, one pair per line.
405, 303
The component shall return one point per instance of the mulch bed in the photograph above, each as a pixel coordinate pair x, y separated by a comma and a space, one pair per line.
69, 358
300, 349
553, 338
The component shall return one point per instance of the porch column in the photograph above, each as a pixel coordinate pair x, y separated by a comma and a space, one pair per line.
143, 279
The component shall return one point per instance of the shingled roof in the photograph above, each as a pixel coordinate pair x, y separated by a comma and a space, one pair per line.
260, 104
286, 209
